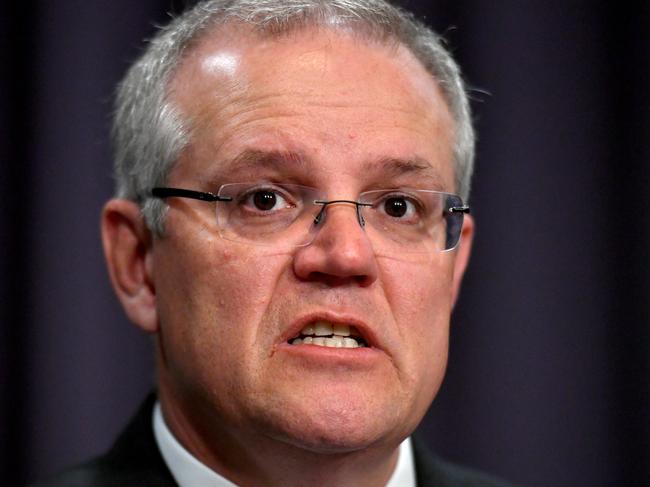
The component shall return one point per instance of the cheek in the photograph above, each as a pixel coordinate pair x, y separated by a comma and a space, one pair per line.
212, 299
420, 297
419, 292
213, 280
248, 283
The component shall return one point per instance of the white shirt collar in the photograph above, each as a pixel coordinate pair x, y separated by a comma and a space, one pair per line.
188, 471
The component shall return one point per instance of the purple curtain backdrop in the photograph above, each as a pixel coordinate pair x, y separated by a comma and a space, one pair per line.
548, 381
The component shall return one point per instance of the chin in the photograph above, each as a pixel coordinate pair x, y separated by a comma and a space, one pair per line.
331, 439
331, 424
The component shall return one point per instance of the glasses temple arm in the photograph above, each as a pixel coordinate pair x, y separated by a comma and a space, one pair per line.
459, 209
187, 193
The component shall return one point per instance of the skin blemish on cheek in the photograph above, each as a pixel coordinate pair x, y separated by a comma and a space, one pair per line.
352, 135
227, 255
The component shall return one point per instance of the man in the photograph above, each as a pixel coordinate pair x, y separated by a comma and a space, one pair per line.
290, 225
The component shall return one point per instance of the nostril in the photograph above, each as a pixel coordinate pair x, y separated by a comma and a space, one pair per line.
364, 280
331, 280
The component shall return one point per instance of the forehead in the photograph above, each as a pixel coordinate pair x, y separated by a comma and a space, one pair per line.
318, 96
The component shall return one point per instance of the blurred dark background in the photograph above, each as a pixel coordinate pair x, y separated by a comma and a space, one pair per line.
548, 382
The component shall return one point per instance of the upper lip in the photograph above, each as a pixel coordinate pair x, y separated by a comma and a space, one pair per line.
366, 332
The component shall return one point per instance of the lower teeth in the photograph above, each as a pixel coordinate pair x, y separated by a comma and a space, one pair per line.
332, 342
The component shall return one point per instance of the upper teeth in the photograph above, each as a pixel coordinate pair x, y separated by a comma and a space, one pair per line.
322, 328
328, 335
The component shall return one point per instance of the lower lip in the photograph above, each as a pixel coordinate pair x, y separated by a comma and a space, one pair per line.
360, 356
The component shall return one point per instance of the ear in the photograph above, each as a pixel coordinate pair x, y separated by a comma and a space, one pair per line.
462, 255
128, 251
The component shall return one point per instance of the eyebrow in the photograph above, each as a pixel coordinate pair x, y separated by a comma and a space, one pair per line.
253, 160
396, 167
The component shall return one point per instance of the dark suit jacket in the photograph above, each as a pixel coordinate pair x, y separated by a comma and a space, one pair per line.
134, 460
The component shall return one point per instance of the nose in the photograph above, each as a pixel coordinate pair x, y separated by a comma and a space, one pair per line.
341, 252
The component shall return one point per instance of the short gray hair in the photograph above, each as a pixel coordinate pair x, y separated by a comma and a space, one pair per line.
149, 132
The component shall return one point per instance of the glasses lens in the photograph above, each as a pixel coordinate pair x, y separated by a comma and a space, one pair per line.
453, 220
282, 216
278, 215
412, 221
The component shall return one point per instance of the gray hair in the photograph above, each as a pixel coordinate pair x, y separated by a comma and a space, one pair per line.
149, 132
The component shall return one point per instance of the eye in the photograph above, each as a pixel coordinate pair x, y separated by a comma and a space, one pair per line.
396, 207
265, 200
399, 206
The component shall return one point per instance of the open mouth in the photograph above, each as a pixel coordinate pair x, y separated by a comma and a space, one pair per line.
326, 334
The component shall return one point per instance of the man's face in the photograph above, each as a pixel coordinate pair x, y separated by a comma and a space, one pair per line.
324, 110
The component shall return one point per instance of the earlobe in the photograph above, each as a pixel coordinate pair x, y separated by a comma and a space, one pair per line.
128, 251
462, 255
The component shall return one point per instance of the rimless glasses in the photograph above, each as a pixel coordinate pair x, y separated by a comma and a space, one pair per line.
289, 215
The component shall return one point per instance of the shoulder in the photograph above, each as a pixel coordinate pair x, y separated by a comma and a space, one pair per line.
99, 473
432, 471
86, 474
134, 459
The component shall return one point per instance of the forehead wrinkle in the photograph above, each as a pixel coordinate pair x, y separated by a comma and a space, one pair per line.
309, 98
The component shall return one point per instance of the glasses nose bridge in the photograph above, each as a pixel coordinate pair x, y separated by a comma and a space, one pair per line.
319, 220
